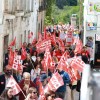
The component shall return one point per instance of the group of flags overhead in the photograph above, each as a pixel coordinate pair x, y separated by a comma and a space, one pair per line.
13, 42
44, 44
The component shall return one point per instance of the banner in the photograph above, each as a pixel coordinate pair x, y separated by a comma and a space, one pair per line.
55, 82
12, 83
41, 46
77, 63
93, 6
17, 62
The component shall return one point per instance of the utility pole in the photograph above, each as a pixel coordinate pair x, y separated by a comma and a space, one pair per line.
80, 13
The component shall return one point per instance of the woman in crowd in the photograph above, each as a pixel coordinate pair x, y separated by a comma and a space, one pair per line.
8, 94
28, 63
32, 94
35, 72
50, 95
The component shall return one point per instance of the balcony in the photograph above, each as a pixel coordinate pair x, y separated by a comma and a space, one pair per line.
27, 14
9, 16
19, 13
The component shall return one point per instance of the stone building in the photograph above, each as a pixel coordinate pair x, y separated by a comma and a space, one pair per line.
17, 19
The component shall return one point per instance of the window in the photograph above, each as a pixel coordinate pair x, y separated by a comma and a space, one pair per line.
21, 39
14, 5
25, 36
31, 5
39, 27
19, 4
6, 5
28, 35
24, 5
10, 3
27, 5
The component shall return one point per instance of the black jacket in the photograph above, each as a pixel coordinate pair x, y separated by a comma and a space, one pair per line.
3, 82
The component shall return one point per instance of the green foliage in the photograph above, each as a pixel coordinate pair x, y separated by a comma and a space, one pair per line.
61, 3
48, 18
63, 15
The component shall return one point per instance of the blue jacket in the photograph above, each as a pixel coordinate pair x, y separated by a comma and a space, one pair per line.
66, 80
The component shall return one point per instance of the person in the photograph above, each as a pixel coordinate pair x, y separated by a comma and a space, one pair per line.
25, 84
35, 72
25, 47
4, 78
32, 94
60, 92
51, 95
85, 55
8, 94
28, 63
7, 57
57, 52
44, 79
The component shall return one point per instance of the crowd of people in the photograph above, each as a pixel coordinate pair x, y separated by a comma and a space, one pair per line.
33, 72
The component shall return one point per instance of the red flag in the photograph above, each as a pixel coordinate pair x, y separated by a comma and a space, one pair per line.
11, 57
41, 92
61, 44
13, 84
77, 63
72, 75
63, 62
39, 37
55, 82
30, 35
53, 39
41, 46
78, 47
17, 63
23, 53
69, 38
45, 33
34, 41
48, 62
13, 42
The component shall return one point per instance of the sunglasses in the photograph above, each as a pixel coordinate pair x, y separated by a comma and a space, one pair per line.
34, 92
9, 70
53, 96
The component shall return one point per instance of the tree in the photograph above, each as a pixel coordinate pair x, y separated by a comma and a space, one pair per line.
48, 17
62, 3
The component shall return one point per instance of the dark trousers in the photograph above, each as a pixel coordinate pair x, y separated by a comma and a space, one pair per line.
60, 94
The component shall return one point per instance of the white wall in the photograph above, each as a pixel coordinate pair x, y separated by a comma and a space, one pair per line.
90, 18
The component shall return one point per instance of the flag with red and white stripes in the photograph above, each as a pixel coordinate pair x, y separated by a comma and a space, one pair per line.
41, 46
13, 84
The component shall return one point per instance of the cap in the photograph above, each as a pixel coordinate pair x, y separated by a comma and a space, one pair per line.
43, 77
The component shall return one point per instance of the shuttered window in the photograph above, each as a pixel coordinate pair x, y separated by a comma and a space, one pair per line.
6, 5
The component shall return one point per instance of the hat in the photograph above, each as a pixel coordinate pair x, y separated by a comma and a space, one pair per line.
43, 77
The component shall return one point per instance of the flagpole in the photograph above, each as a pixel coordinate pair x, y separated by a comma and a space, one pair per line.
31, 63
22, 92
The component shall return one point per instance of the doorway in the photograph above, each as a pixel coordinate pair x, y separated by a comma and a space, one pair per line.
97, 53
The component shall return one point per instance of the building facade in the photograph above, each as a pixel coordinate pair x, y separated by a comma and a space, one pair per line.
17, 19
92, 28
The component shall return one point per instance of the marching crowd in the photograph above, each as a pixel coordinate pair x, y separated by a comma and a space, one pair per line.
43, 69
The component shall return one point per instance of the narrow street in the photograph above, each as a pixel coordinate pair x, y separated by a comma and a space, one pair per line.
49, 49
